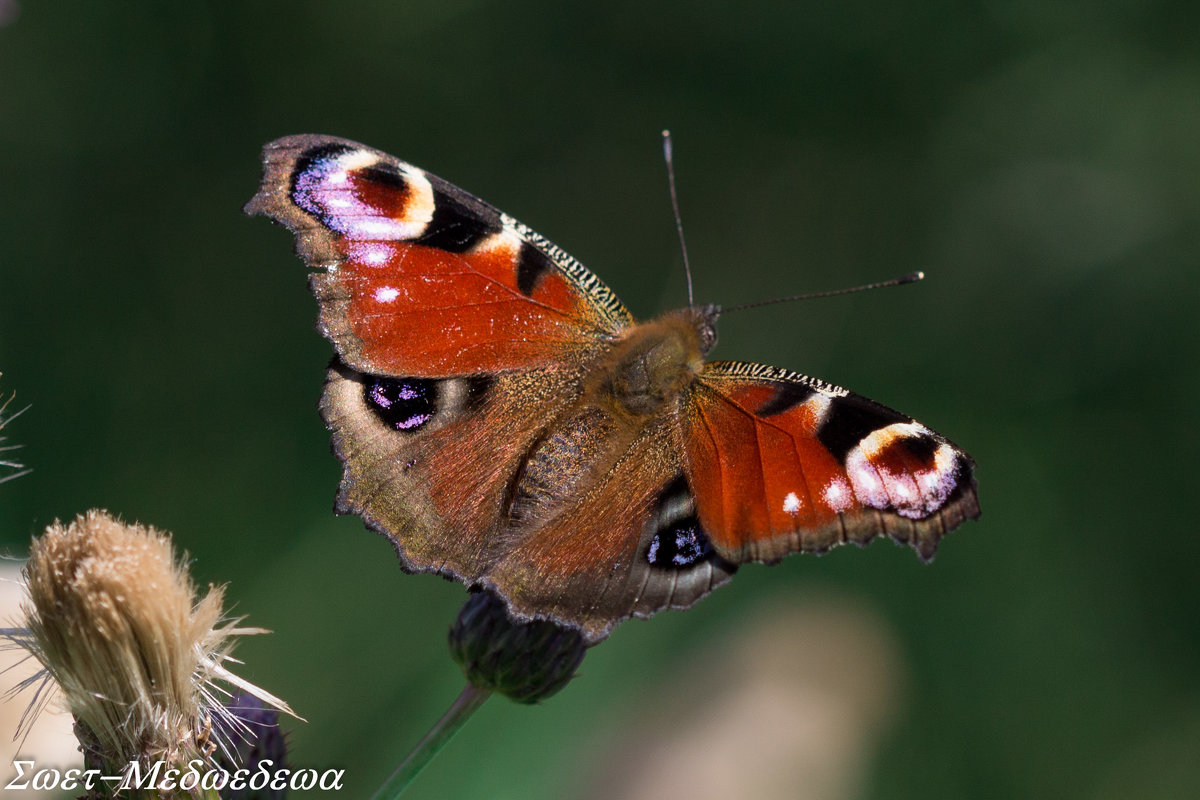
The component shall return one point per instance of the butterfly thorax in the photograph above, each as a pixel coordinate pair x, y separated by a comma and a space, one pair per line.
653, 362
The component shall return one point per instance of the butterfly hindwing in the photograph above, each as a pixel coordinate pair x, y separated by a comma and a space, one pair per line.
420, 278
430, 463
784, 463
629, 545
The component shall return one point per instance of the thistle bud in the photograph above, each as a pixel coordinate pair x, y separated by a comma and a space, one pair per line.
525, 661
250, 732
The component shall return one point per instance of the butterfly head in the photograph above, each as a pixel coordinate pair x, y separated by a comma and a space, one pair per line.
655, 360
705, 320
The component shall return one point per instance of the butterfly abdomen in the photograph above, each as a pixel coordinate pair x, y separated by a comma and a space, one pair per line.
561, 464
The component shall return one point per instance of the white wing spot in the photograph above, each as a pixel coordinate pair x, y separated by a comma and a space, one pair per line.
868, 487
386, 294
837, 495
791, 504
373, 254
818, 406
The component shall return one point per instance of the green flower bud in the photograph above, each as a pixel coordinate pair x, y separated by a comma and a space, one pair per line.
525, 661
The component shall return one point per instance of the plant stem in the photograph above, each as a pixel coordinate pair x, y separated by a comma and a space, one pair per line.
459, 712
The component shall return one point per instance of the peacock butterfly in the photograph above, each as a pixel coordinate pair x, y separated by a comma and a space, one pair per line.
504, 421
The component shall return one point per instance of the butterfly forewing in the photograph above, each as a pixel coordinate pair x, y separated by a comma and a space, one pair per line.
782, 463
421, 278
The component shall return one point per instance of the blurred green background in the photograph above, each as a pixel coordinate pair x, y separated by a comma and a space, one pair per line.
1039, 161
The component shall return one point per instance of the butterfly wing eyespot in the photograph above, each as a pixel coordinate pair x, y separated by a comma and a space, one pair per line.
783, 463
404, 404
680, 545
677, 540
417, 278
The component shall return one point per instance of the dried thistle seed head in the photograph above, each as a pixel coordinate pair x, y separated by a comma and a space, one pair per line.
9, 466
525, 661
115, 621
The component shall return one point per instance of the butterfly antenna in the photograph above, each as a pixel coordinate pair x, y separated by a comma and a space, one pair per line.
911, 277
687, 268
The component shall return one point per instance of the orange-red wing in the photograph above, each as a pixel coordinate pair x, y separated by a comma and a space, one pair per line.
421, 278
780, 462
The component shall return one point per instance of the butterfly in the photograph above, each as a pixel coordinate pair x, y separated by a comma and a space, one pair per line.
505, 422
